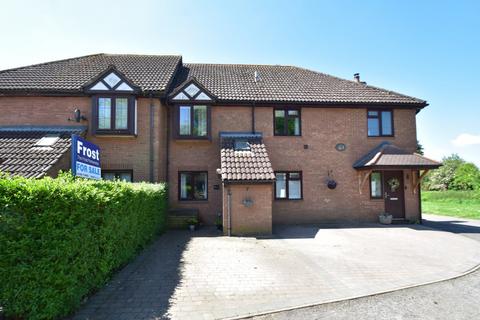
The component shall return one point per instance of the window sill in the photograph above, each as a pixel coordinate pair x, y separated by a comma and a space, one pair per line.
195, 201
284, 199
115, 135
391, 136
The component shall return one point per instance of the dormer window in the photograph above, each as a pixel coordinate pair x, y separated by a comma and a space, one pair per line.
113, 104
192, 110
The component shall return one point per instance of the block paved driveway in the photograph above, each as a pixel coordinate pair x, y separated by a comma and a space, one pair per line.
202, 275
453, 299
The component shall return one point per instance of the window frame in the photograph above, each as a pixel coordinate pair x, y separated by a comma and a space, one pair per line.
287, 179
193, 182
131, 106
381, 185
380, 126
115, 171
176, 120
286, 109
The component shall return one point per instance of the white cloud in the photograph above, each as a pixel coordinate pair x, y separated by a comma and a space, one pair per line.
466, 139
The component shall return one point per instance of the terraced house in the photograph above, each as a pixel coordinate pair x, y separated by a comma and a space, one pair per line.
251, 144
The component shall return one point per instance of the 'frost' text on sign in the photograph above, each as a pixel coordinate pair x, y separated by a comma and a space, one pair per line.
85, 158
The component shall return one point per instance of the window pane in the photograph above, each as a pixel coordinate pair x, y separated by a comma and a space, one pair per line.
294, 126
104, 113
200, 190
186, 190
294, 189
387, 123
293, 112
121, 113
185, 121
376, 185
373, 127
294, 175
200, 121
125, 176
279, 121
281, 185
373, 113
108, 176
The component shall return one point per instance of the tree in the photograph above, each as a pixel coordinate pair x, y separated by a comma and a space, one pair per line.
419, 148
467, 177
443, 177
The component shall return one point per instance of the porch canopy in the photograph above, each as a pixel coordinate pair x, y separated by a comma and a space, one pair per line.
244, 158
387, 156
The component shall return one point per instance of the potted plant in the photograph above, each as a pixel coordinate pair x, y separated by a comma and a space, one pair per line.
385, 218
192, 223
219, 223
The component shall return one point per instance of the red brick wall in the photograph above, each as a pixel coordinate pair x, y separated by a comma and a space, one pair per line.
199, 155
116, 152
322, 129
253, 220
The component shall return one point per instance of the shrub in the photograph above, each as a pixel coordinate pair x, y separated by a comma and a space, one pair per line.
442, 178
467, 177
61, 239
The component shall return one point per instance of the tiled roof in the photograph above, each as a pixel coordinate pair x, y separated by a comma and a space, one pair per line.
245, 165
20, 156
387, 155
228, 82
233, 82
149, 72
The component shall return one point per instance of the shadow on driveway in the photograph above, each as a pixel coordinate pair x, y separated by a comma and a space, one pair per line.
144, 288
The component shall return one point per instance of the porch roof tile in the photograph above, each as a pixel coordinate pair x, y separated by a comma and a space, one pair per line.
251, 165
388, 156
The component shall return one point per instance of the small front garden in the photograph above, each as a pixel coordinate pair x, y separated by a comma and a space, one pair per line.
61, 239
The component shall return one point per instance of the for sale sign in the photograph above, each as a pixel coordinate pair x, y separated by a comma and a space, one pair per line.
85, 158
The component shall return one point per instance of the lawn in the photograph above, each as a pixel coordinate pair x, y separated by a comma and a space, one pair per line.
464, 204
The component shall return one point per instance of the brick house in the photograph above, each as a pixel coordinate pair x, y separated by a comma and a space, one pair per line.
252, 144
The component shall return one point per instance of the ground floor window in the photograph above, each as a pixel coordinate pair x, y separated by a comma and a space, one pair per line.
376, 185
288, 185
192, 185
123, 175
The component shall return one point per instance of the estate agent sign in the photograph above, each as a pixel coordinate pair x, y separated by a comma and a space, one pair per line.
85, 158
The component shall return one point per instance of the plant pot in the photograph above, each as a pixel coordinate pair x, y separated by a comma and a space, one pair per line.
219, 227
191, 227
385, 219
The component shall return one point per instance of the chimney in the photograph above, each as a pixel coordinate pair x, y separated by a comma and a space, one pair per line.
256, 76
356, 77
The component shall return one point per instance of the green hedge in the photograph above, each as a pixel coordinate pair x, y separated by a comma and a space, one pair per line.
61, 239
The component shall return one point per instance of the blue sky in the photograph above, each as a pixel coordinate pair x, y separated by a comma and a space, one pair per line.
427, 49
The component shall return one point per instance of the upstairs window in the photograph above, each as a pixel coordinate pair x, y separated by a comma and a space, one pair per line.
287, 122
193, 121
114, 115
380, 123
113, 103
